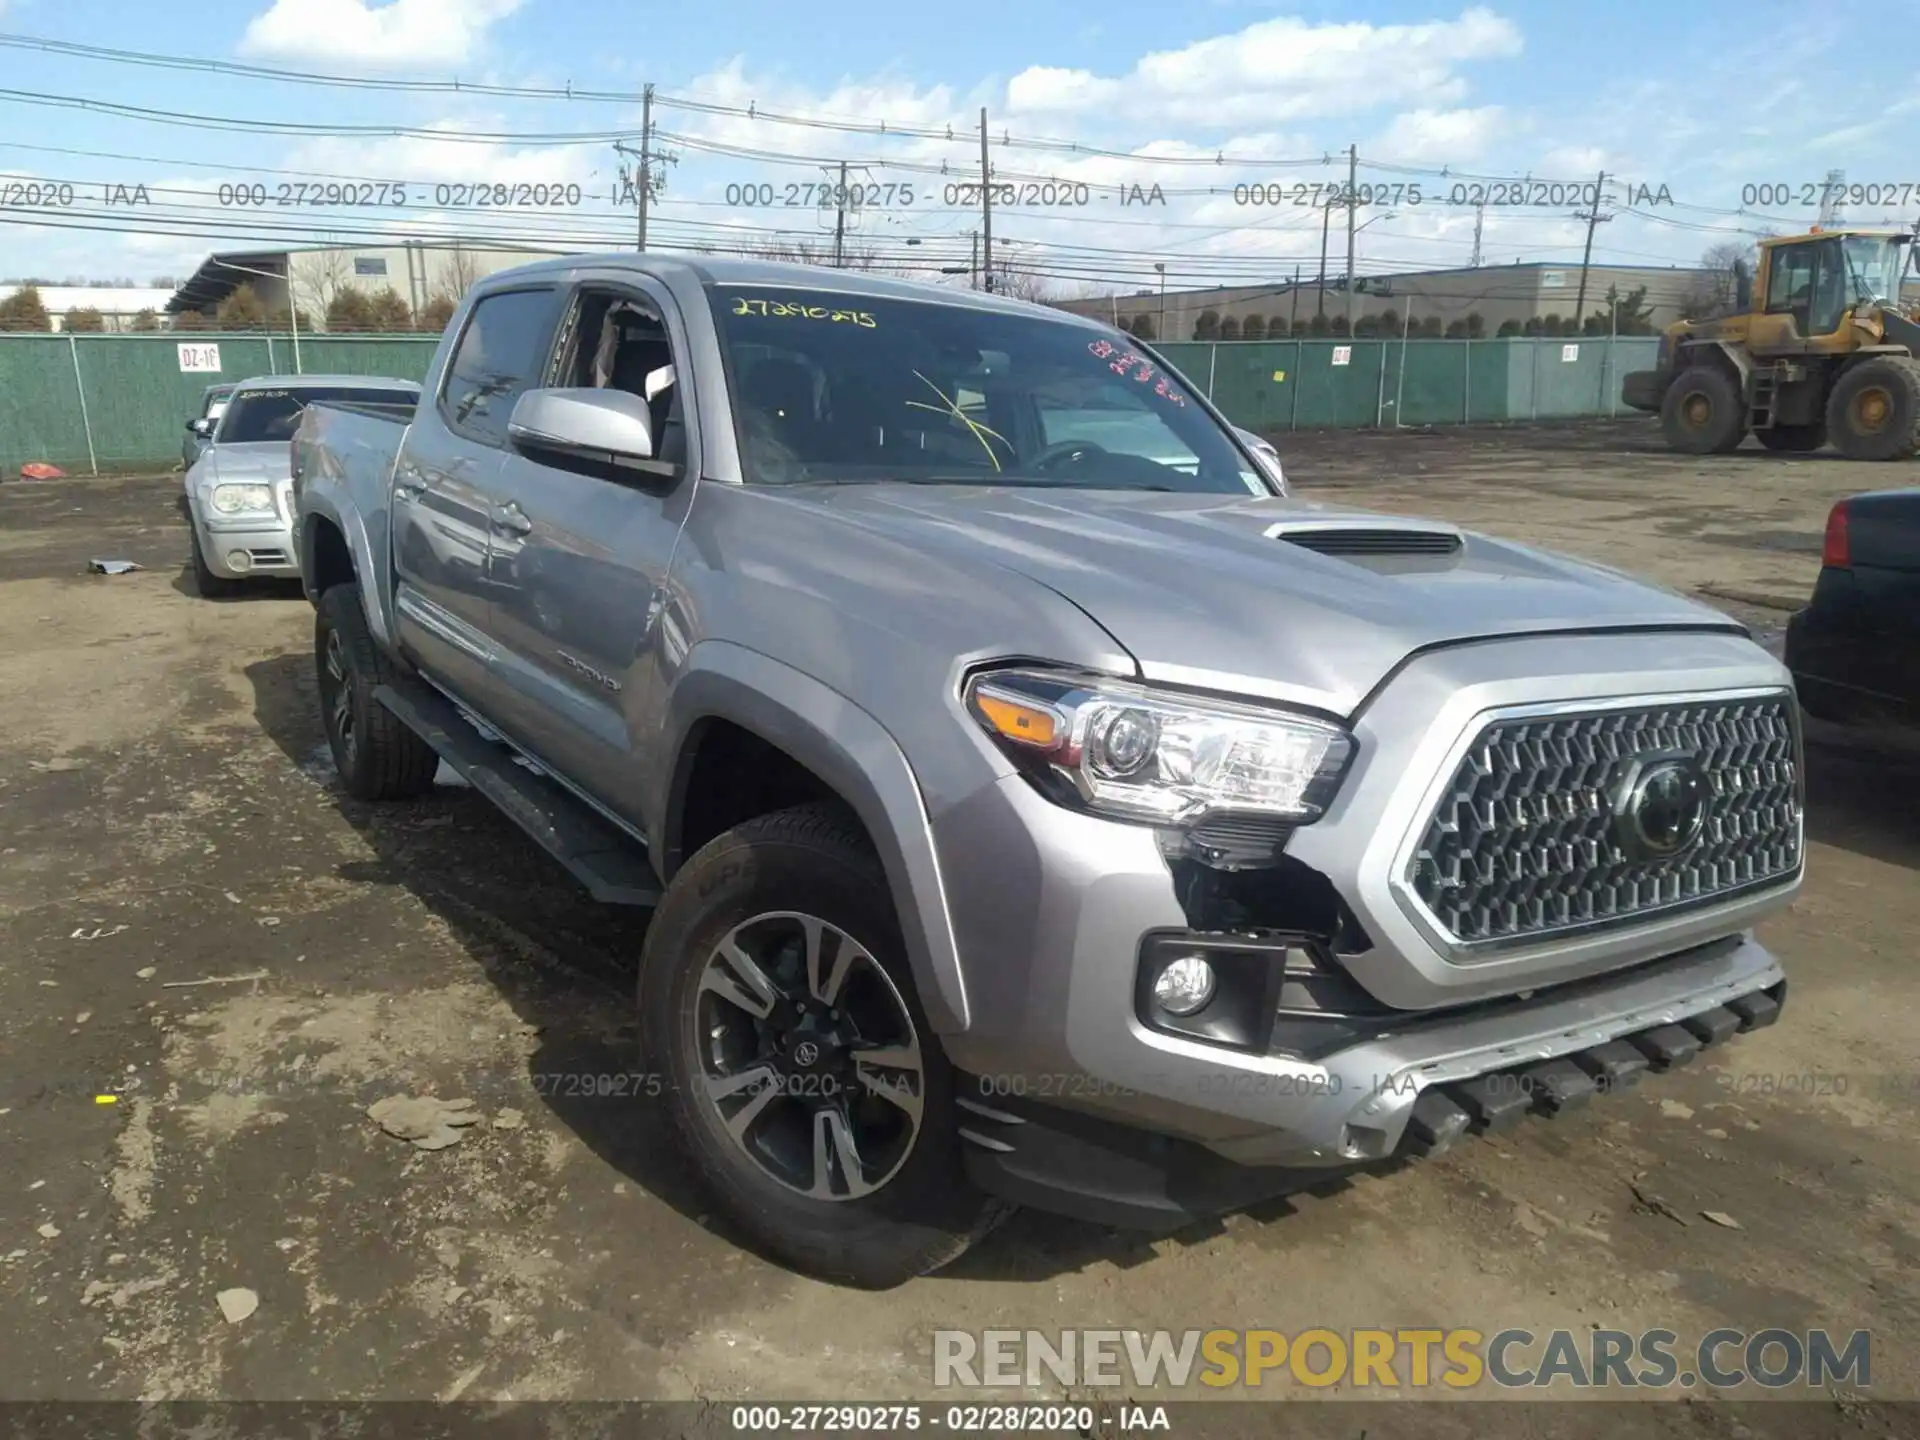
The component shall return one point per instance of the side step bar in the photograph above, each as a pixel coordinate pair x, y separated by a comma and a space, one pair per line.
612, 865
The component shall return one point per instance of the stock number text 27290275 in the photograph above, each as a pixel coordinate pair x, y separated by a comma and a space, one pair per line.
1891, 194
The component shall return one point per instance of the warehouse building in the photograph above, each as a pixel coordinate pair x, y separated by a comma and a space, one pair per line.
418, 272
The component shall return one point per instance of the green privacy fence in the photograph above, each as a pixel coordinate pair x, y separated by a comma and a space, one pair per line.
116, 402
109, 402
1310, 384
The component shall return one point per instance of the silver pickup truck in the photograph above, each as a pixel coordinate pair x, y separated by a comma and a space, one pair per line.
1034, 806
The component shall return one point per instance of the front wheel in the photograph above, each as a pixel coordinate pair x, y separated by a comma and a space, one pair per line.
1703, 413
803, 1079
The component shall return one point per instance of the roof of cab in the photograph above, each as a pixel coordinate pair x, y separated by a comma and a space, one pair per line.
724, 270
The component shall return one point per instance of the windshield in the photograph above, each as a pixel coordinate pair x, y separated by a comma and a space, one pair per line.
264, 415
847, 389
1873, 266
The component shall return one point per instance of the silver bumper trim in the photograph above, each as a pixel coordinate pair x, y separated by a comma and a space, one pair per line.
1379, 1080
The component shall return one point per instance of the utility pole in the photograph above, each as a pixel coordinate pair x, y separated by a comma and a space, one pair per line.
840, 221
1479, 223
1326, 220
1593, 217
986, 202
973, 265
643, 180
1160, 333
1353, 202
646, 158
1293, 304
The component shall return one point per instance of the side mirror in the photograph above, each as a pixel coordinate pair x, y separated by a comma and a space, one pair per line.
1742, 287
599, 425
203, 428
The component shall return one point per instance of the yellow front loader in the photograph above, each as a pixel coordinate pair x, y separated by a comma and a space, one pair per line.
1820, 349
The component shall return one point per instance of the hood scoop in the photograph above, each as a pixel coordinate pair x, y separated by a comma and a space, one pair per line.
1348, 539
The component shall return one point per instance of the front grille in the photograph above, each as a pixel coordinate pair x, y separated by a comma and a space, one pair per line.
1529, 841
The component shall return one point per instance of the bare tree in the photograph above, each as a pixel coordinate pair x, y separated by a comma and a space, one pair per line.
1714, 290
1018, 284
317, 278
459, 274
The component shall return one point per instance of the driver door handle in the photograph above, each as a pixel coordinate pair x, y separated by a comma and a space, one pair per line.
511, 518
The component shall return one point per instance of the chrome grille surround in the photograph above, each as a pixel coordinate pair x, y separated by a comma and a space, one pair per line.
1520, 843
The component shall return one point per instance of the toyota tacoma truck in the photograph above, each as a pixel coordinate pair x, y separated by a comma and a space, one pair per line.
1031, 805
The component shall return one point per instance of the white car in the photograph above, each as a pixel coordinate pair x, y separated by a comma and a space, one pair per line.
238, 506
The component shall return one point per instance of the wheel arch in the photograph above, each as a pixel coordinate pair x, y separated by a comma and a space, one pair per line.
1734, 360
329, 525
731, 703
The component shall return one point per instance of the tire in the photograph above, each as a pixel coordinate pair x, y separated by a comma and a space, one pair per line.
1703, 413
1793, 439
377, 756
1874, 411
206, 584
812, 861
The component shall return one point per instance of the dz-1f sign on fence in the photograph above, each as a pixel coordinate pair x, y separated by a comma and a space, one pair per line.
200, 357
1343, 354
1569, 354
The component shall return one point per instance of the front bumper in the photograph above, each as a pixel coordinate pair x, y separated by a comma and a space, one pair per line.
245, 547
1404, 1098
1049, 908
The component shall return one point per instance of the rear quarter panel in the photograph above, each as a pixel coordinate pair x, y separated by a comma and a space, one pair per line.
344, 463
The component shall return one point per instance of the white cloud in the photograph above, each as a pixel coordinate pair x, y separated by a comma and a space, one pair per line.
1283, 69
402, 32
1447, 136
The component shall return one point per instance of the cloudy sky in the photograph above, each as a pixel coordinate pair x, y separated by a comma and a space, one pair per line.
137, 137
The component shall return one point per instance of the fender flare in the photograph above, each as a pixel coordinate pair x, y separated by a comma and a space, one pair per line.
854, 754
318, 506
1734, 356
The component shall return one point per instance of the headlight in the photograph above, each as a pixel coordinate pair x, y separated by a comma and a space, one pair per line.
1136, 753
234, 499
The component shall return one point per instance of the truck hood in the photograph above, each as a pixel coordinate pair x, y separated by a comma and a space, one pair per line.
1208, 591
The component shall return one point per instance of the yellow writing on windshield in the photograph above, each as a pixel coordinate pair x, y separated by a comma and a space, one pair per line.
786, 310
949, 406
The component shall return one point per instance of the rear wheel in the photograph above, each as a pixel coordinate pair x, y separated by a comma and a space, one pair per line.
803, 1079
1874, 411
1793, 439
1703, 413
377, 756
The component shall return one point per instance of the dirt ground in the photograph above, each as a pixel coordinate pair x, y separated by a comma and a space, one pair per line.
168, 820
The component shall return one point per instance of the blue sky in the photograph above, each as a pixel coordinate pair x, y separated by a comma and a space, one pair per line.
1699, 101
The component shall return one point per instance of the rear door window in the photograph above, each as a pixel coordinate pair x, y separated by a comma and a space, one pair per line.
502, 354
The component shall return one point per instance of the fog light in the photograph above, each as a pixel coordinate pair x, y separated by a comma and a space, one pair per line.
1184, 986
239, 560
